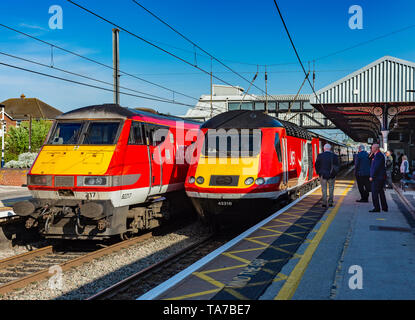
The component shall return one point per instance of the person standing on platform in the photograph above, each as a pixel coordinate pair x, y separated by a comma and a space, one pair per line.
362, 173
377, 178
405, 167
389, 168
327, 167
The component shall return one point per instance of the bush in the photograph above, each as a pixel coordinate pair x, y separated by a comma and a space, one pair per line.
24, 161
17, 139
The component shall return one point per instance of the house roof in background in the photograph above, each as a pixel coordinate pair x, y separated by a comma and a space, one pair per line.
21, 108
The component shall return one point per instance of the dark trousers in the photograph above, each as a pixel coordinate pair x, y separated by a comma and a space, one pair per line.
379, 192
363, 184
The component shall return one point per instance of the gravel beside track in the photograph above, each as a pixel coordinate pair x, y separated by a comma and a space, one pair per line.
11, 250
86, 280
147, 279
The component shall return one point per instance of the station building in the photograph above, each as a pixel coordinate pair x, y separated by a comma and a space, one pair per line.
373, 104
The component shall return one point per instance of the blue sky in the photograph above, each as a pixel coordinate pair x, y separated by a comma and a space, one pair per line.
243, 31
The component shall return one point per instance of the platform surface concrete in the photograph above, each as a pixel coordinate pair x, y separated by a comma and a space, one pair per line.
10, 195
362, 255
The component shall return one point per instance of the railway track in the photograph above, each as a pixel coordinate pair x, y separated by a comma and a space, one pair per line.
18, 271
146, 279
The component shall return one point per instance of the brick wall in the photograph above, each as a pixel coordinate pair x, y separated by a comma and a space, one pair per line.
13, 177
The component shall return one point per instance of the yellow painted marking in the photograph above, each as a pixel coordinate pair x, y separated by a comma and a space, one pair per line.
208, 279
225, 268
286, 223
279, 277
230, 255
246, 250
267, 270
295, 215
274, 247
236, 294
291, 234
301, 226
5, 208
381, 219
290, 286
196, 294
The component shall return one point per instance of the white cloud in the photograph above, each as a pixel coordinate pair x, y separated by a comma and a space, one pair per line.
32, 26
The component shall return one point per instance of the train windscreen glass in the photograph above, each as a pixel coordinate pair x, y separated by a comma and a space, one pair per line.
232, 144
101, 133
66, 133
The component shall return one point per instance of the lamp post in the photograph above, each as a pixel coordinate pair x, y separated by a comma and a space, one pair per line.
2, 134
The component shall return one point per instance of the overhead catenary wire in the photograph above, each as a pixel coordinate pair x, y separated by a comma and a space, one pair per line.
52, 45
246, 92
96, 62
152, 44
196, 45
296, 52
82, 76
87, 84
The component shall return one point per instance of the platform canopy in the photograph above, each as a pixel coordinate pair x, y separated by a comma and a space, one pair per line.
371, 101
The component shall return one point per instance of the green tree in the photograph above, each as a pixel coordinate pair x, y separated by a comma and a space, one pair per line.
17, 139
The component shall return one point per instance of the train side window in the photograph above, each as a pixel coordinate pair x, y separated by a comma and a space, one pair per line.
136, 134
156, 134
277, 145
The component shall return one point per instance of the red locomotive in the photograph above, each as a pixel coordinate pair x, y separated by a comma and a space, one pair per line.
246, 159
106, 170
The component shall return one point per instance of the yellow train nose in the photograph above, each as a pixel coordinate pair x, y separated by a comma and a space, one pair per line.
226, 172
73, 160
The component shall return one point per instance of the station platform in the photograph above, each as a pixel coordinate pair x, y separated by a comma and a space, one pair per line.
9, 195
305, 251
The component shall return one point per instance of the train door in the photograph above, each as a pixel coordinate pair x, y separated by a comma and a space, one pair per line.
136, 166
168, 153
310, 160
315, 156
284, 161
155, 158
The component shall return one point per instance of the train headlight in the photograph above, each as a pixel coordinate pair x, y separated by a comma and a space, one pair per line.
192, 180
249, 181
260, 181
95, 181
200, 180
35, 180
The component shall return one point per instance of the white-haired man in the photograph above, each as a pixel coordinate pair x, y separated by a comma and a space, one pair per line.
327, 167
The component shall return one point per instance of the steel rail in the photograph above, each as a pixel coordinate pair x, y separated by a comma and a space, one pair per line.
44, 273
129, 281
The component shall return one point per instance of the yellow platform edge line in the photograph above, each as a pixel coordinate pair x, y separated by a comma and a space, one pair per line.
290, 286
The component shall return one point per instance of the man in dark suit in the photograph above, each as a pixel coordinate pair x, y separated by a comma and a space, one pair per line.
327, 167
378, 177
362, 173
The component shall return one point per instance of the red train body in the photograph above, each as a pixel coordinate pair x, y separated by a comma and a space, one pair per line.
106, 170
248, 158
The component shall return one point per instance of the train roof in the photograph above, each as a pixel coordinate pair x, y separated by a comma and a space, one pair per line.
245, 119
248, 119
296, 131
114, 111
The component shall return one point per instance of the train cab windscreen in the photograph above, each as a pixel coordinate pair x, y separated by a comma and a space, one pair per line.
102, 133
66, 133
85, 133
232, 143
